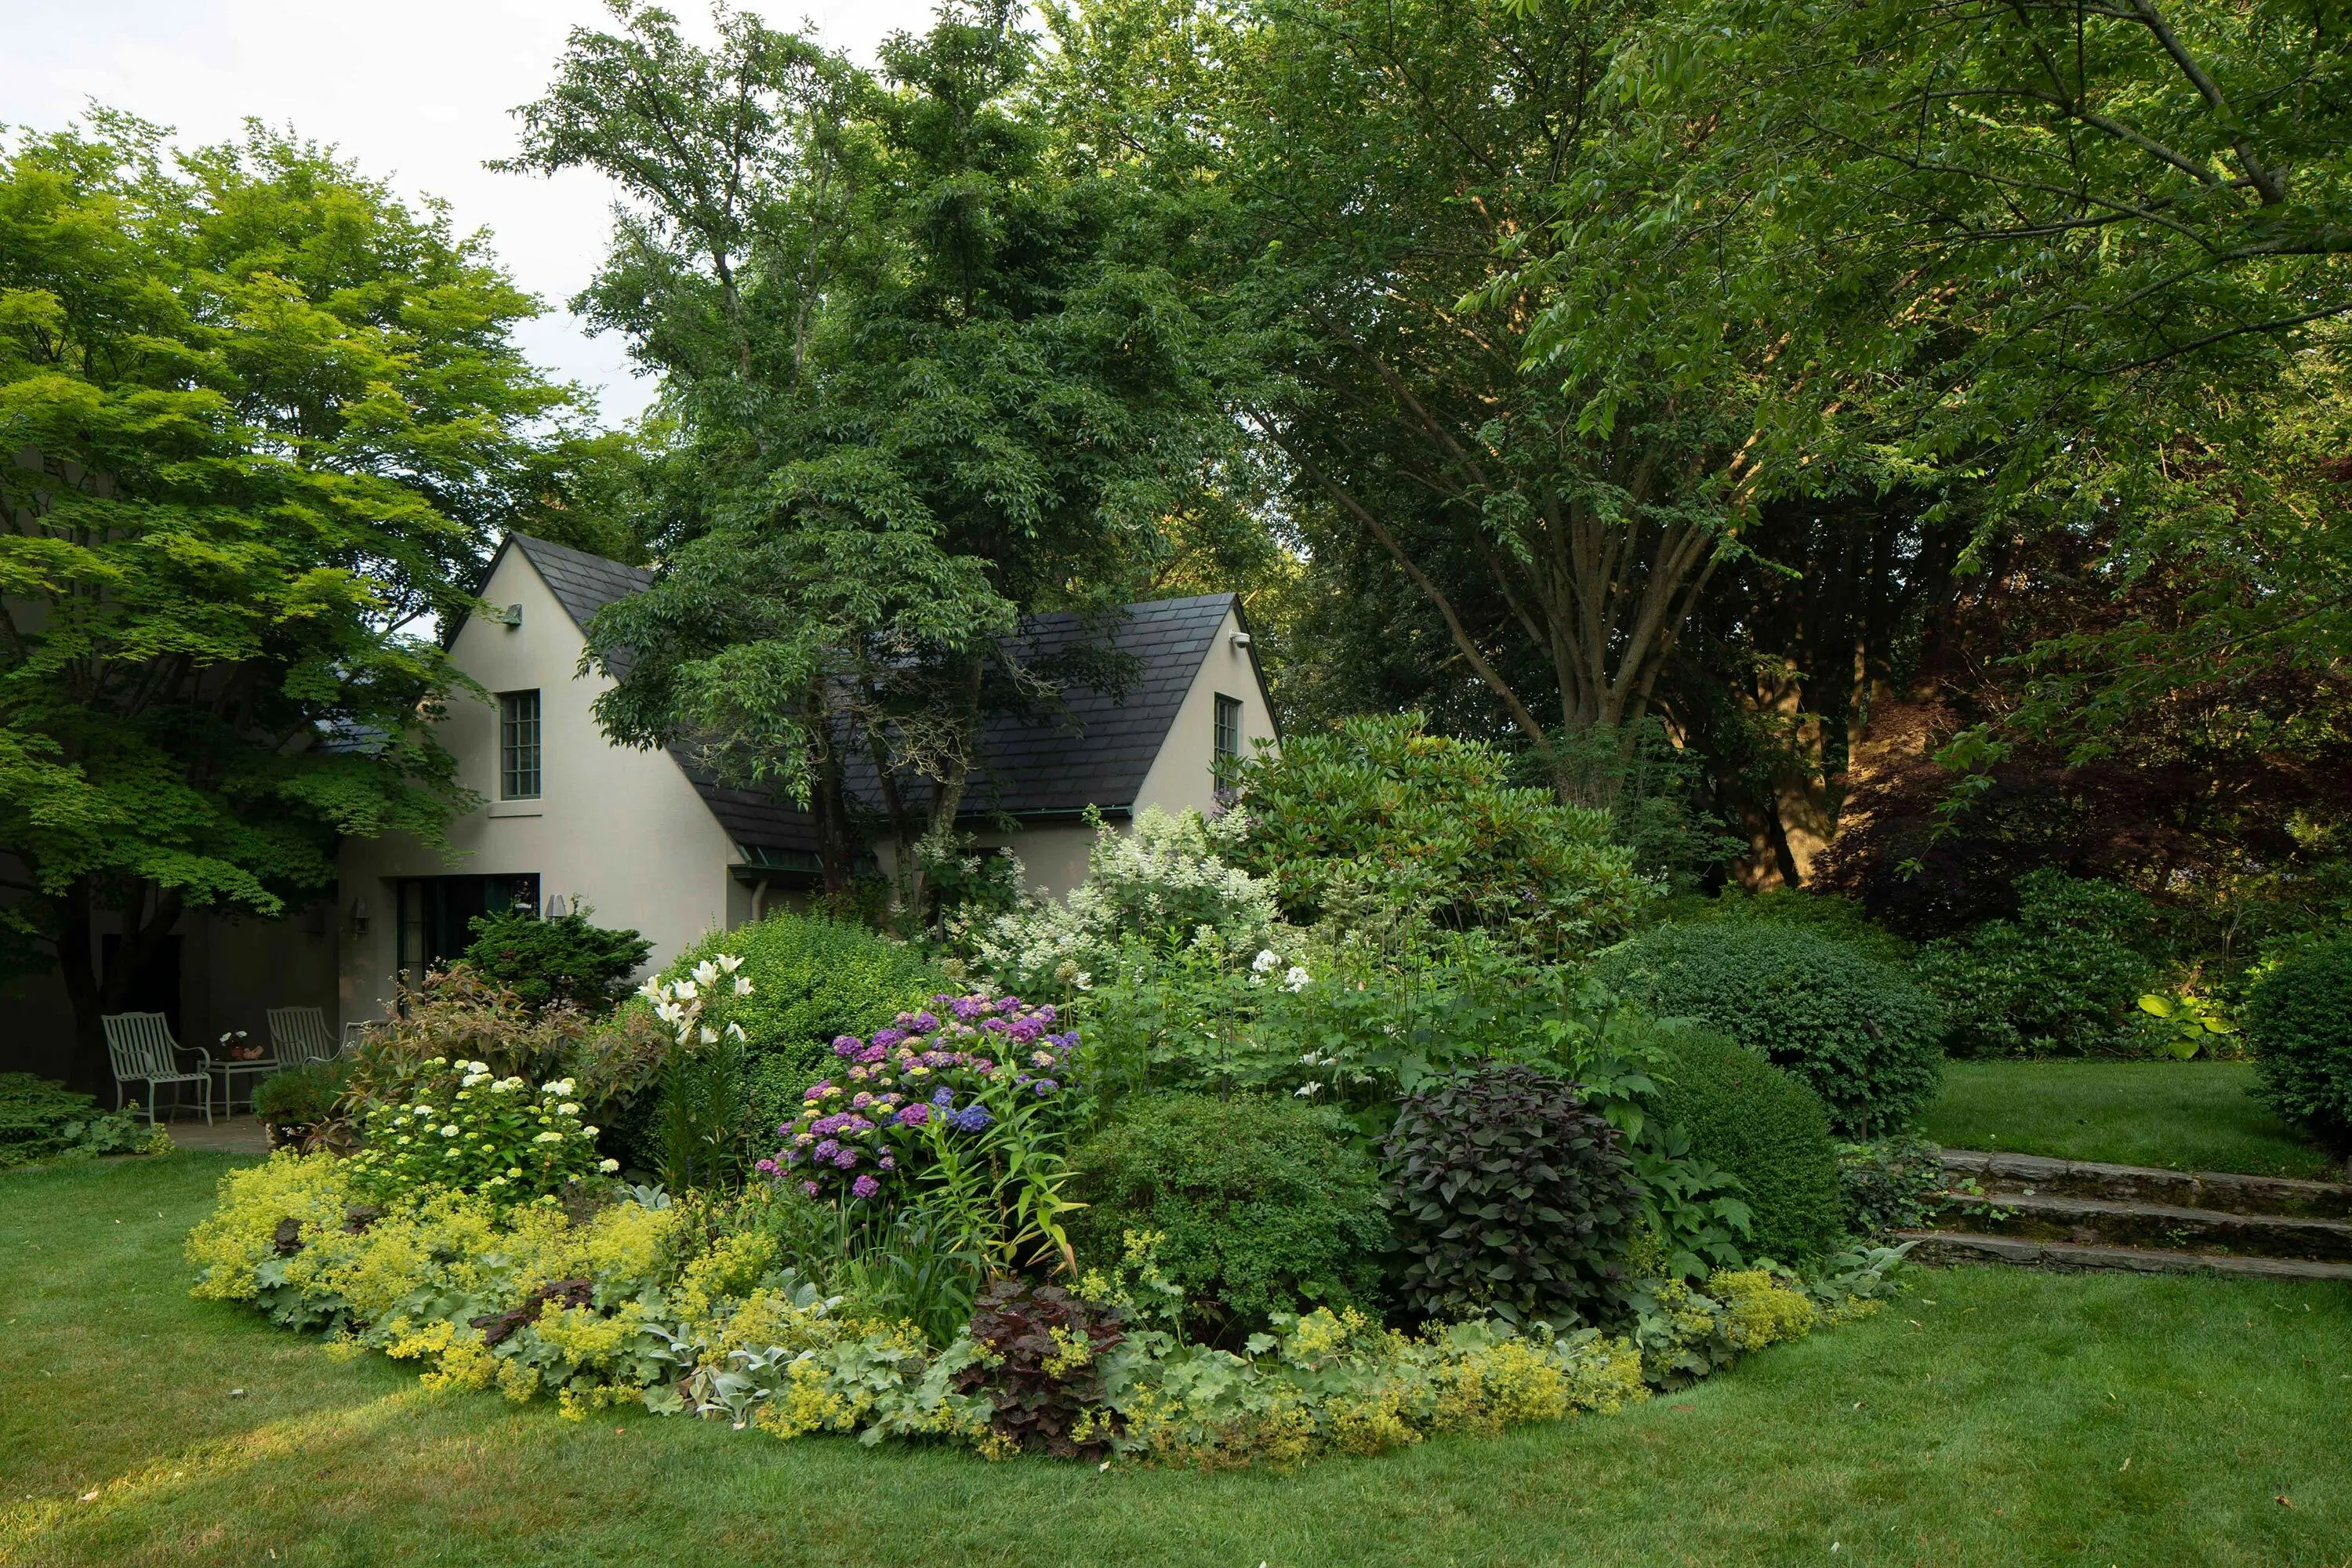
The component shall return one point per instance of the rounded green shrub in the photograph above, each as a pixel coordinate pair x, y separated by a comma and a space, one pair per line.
1859, 1032
813, 981
2298, 1018
1765, 1127
1512, 1198
1263, 1203
2063, 978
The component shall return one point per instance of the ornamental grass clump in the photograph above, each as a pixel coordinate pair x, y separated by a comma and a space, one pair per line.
1511, 1196
955, 1068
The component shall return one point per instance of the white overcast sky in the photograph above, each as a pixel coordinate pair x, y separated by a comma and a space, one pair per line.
416, 90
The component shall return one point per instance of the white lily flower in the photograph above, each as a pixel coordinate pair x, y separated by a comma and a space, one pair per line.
706, 973
735, 1029
743, 985
730, 962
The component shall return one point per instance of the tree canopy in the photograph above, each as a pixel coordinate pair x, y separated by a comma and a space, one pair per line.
261, 418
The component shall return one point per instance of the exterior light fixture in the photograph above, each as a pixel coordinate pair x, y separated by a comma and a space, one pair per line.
555, 906
1241, 639
358, 917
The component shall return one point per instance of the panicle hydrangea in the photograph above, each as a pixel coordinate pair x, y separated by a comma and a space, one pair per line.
1170, 878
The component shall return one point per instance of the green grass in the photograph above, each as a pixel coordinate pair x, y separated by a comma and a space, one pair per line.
1986, 1419
2184, 1116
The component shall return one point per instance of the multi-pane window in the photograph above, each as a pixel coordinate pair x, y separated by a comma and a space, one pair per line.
518, 745
1228, 744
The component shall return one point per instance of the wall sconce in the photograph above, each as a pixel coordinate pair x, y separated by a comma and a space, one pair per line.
358, 917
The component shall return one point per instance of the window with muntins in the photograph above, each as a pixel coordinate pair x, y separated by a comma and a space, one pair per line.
519, 745
1227, 743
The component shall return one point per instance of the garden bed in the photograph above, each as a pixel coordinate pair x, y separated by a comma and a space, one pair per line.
1987, 1420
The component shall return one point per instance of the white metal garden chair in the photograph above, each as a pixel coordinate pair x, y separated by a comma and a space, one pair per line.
298, 1036
141, 1047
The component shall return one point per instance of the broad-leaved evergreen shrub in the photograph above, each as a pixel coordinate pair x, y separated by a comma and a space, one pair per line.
563, 958
1510, 1196
1860, 1032
1766, 1128
1382, 808
813, 981
2063, 978
2298, 1018
1261, 1203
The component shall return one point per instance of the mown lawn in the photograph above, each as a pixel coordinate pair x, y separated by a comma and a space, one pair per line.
2184, 1116
1989, 1417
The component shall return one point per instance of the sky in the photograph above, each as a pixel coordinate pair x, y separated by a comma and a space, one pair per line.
418, 92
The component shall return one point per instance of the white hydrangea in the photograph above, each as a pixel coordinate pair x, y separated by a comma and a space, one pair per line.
1166, 874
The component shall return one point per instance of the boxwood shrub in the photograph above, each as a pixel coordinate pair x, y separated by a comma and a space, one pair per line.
2298, 1018
1765, 1127
1265, 1204
1511, 1196
814, 980
1858, 1031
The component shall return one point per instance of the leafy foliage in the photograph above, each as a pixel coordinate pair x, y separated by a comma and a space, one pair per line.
1857, 1031
262, 416
1511, 1196
2063, 978
1380, 808
1896, 1183
931, 373
814, 980
2299, 1019
561, 958
303, 1102
40, 1121
1045, 1375
1261, 1204
1155, 886
458, 1127
1767, 1129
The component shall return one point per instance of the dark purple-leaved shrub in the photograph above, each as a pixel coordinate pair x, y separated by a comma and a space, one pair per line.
1511, 1196
1047, 1382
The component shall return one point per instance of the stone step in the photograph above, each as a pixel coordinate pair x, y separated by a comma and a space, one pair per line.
2054, 1217
1963, 1247
2219, 1190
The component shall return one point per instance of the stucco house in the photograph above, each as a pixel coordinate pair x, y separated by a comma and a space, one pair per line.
650, 840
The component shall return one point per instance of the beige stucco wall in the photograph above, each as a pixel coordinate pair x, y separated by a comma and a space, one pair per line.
1181, 776
623, 829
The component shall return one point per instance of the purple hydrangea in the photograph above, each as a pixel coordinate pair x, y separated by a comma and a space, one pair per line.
864, 1187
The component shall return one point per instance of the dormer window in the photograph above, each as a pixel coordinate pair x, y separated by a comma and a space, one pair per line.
519, 745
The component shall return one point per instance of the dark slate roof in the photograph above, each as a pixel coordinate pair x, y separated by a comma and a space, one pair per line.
1093, 748
582, 584
1096, 749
